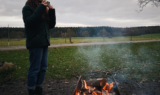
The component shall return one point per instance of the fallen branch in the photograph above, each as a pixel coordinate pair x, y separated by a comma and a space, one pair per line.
117, 86
137, 84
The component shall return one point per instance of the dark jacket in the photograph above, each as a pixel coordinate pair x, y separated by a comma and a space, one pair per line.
36, 29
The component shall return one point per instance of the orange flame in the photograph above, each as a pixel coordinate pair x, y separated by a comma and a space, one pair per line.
108, 87
105, 87
91, 89
94, 93
77, 93
107, 92
85, 85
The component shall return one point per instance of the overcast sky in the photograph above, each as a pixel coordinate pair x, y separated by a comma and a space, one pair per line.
115, 13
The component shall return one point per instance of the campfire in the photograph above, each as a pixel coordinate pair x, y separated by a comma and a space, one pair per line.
94, 87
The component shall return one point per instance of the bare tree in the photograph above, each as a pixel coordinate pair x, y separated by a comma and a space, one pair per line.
143, 3
70, 33
103, 33
16, 35
12, 35
62, 34
4, 35
20, 35
131, 33
85, 34
1, 36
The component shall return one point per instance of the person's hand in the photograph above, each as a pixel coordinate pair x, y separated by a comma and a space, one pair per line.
51, 7
44, 3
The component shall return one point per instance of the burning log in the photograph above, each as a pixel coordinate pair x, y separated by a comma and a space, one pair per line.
100, 82
93, 87
78, 88
98, 92
104, 92
108, 87
94, 93
87, 88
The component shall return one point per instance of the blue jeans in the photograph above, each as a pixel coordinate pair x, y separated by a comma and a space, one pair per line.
38, 64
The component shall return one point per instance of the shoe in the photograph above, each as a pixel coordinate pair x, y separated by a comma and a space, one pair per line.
39, 91
31, 92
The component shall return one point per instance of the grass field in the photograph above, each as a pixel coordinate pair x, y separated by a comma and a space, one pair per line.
136, 61
4, 42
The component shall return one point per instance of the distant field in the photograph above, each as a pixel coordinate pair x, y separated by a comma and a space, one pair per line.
4, 42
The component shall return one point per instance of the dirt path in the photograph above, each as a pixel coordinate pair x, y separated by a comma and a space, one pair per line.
76, 44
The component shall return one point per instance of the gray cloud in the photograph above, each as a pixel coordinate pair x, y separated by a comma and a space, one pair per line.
116, 13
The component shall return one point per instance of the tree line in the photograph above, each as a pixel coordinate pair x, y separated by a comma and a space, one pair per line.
99, 31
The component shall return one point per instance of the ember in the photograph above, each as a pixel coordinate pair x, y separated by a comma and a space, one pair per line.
94, 87
77, 93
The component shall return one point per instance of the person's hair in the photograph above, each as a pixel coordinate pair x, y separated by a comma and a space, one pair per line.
34, 4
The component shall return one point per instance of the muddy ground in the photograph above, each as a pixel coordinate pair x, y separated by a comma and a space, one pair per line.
66, 87
129, 87
50, 87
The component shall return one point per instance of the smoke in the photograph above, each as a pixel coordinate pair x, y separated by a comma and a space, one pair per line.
136, 66
92, 54
132, 61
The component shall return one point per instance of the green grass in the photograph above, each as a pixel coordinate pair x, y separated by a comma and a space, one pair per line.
137, 61
4, 42
147, 36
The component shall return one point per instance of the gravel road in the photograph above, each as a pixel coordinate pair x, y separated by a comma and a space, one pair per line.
76, 44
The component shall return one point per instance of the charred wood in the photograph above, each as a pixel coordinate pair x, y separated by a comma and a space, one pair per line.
100, 82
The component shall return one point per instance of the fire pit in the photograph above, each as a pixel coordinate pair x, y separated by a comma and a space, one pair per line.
98, 86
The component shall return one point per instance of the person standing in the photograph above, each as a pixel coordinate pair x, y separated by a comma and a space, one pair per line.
38, 18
